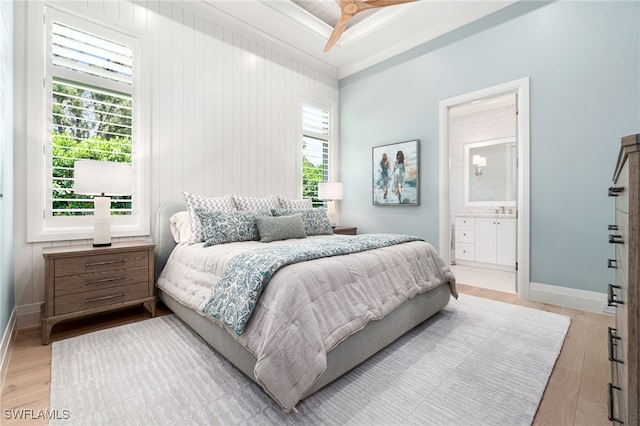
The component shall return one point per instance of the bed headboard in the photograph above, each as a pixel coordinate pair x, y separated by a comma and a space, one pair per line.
162, 234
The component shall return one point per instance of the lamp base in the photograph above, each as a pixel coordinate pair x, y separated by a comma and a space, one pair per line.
101, 244
331, 212
102, 233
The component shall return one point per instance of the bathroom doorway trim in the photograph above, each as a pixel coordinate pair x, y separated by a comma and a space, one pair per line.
521, 87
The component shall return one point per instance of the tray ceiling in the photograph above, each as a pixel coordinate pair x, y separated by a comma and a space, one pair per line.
371, 37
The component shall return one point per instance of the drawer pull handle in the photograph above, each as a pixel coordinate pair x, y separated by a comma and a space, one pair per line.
610, 404
612, 337
98, 299
105, 280
615, 239
106, 262
615, 190
611, 262
611, 299
612, 228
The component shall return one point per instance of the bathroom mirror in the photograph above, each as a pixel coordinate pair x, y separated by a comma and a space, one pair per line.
490, 173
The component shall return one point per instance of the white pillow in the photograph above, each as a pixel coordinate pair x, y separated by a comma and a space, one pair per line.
288, 203
210, 203
180, 226
254, 203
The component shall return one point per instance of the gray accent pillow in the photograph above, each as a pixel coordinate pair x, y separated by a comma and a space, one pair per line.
273, 228
315, 221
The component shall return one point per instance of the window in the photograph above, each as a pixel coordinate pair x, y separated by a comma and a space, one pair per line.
87, 124
316, 138
91, 112
90, 119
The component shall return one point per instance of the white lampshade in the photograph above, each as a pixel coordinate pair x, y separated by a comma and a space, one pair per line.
94, 177
330, 191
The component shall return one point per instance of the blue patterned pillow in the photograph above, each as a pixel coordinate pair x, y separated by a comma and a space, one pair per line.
227, 227
315, 221
194, 202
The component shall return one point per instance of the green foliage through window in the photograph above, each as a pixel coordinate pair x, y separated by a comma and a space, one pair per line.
315, 150
87, 124
311, 176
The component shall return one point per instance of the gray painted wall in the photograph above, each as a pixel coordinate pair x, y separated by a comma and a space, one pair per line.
6, 165
583, 60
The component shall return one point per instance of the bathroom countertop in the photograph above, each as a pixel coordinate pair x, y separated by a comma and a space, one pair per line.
496, 215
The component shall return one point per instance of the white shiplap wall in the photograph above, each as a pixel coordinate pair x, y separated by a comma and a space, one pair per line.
225, 112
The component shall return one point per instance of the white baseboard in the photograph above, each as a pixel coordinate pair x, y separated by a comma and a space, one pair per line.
492, 266
6, 345
28, 315
584, 300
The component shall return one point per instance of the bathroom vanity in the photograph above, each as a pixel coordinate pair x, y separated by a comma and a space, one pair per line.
486, 240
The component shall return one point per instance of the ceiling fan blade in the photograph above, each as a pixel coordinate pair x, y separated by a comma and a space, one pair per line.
371, 4
338, 30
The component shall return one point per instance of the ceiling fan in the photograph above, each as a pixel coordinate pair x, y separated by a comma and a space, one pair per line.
349, 8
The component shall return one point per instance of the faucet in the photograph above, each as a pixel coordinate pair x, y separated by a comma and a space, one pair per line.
502, 208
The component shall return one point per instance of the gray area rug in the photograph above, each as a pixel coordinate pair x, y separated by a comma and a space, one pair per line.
478, 362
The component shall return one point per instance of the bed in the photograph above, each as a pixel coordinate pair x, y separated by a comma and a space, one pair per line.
180, 287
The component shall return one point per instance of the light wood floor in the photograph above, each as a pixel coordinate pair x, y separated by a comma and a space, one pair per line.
575, 395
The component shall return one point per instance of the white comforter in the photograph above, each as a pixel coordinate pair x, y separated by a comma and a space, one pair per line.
310, 307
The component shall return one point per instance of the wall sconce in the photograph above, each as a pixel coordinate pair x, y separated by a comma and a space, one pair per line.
92, 177
479, 162
331, 191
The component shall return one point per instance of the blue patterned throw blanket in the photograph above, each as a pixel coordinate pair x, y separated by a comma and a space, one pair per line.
235, 296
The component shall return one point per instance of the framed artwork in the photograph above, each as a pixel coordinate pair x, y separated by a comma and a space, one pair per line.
396, 174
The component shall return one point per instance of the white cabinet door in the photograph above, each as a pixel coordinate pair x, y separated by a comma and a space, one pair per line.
486, 240
506, 242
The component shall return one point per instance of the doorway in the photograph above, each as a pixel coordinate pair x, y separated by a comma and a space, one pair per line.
484, 139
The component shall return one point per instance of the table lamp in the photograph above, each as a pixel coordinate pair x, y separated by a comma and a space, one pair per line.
331, 191
100, 178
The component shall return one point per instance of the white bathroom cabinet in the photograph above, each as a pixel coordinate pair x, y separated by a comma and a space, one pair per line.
488, 241
496, 241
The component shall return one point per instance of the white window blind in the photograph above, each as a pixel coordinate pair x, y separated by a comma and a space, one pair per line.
91, 111
315, 150
91, 54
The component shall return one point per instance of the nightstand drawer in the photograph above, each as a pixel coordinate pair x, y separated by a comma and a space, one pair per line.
98, 280
77, 302
100, 262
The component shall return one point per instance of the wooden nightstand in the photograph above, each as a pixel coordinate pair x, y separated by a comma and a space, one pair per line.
85, 280
345, 230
